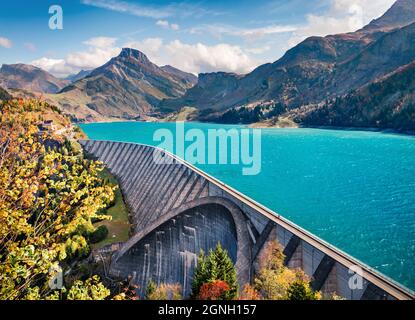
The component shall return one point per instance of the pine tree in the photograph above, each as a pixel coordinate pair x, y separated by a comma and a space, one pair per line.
216, 266
151, 287
301, 291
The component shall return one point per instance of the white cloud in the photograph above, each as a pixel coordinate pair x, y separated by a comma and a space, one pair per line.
165, 24
258, 50
199, 57
100, 50
150, 46
57, 67
342, 16
219, 30
6, 43
101, 42
92, 58
196, 58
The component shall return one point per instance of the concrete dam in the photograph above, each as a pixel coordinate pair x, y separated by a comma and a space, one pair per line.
176, 210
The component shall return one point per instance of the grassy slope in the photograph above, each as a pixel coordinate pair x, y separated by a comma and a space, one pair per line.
119, 226
185, 114
277, 122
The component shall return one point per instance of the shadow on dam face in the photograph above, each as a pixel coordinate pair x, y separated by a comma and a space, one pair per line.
170, 251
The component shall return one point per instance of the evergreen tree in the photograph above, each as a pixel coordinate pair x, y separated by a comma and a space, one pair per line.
301, 291
216, 266
151, 288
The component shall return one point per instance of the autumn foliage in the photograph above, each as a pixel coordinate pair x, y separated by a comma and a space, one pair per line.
48, 200
249, 293
215, 290
275, 281
164, 291
216, 266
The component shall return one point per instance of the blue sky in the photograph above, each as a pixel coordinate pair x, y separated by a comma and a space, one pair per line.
196, 36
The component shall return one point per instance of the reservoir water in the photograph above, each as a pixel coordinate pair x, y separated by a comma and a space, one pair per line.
353, 189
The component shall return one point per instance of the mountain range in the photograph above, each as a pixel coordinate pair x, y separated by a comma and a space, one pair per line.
318, 69
359, 79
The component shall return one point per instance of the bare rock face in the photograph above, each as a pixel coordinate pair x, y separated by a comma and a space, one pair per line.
187, 78
80, 75
27, 77
211, 91
401, 14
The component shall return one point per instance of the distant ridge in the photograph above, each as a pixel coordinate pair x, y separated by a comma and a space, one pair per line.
81, 74
27, 77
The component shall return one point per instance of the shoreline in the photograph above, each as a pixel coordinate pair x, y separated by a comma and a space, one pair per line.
363, 129
336, 128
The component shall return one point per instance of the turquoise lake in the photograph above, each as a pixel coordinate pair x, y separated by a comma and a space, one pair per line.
354, 189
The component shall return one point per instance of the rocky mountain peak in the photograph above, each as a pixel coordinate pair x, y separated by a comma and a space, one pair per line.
402, 13
130, 53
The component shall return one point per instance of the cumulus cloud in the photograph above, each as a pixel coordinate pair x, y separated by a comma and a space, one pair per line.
196, 58
199, 57
92, 58
5, 43
342, 16
101, 42
165, 24
150, 46
100, 50
57, 67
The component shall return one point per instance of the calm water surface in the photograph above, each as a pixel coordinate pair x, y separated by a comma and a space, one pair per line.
354, 189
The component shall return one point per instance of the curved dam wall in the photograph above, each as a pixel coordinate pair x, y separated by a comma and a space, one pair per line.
151, 257
177, 210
